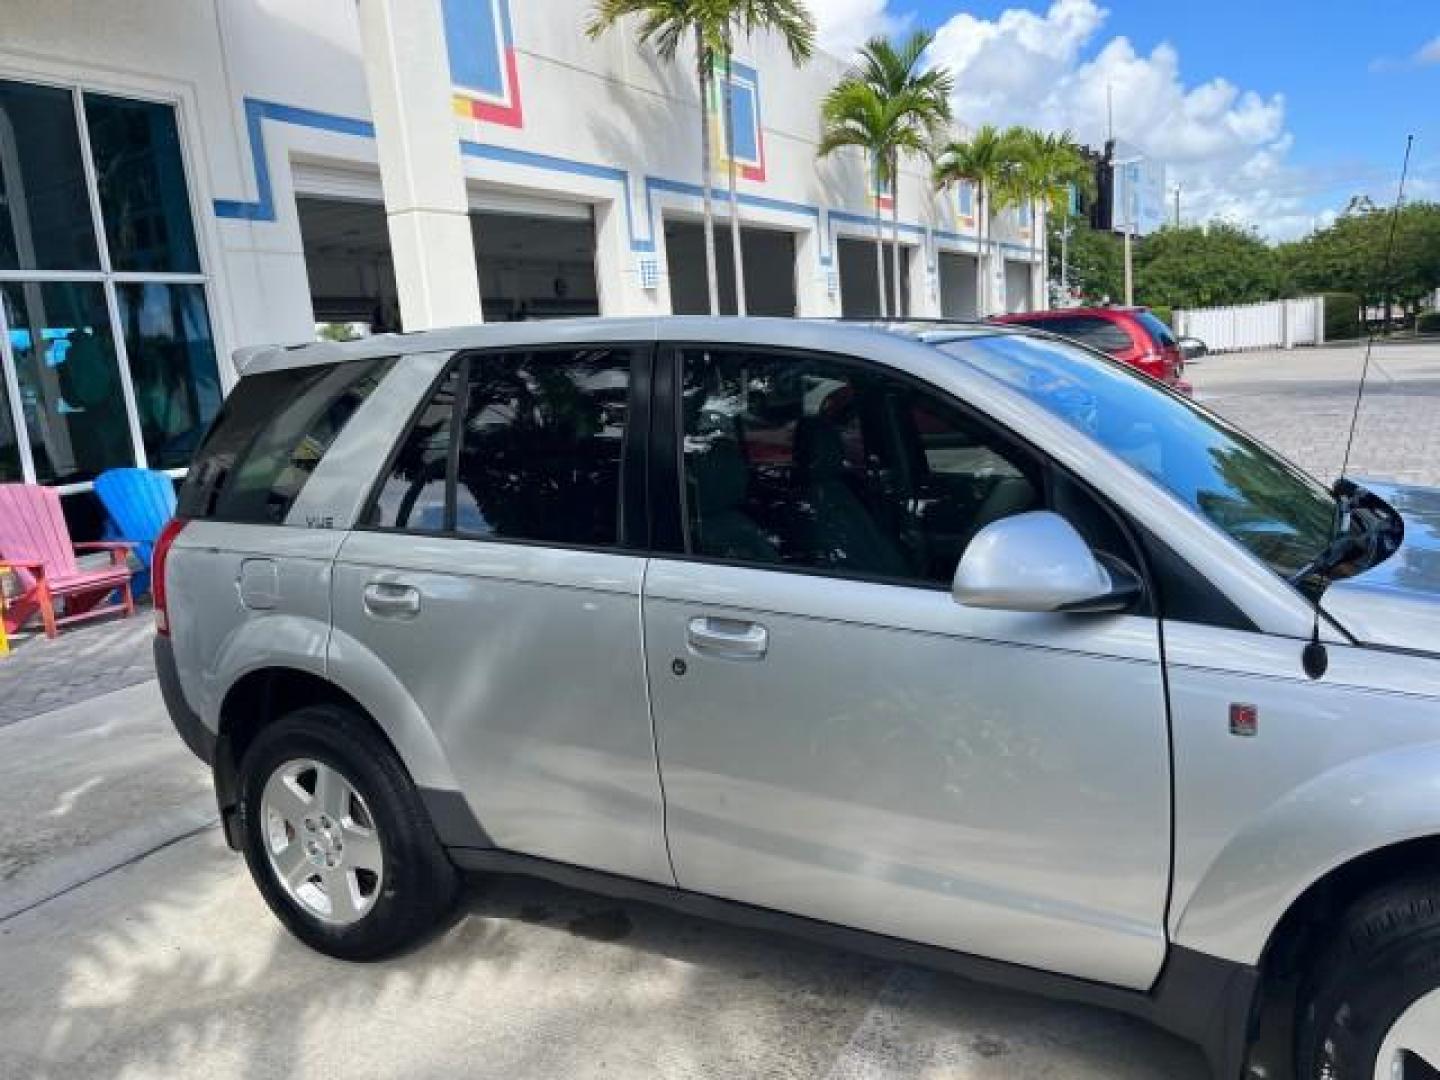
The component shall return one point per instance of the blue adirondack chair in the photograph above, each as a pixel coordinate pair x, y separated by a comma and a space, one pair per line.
139, 502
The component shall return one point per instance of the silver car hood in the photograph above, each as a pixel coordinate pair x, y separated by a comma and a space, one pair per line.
1397, 603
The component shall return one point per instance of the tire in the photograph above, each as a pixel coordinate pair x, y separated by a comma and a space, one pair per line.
393, 883
1380, 971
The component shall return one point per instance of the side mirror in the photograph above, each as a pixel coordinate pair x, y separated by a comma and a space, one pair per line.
1192, 348
1038, 562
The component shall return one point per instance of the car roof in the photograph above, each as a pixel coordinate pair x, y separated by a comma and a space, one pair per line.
592, 331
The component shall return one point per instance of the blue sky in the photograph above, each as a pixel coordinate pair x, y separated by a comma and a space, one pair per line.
1272, 112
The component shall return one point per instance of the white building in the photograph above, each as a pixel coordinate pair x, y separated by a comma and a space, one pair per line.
179, 178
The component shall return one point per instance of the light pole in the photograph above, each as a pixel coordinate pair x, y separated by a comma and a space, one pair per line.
1129, 271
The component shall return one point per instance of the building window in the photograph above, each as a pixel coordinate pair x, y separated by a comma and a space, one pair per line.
108, 354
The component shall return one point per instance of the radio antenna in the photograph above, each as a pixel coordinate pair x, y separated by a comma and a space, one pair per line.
1315, 658
1384, 297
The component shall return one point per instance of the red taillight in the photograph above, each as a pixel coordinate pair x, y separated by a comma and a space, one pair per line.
157, 573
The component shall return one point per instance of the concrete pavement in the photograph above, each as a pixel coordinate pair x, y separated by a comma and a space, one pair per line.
172, 967
89, 787
1300, 402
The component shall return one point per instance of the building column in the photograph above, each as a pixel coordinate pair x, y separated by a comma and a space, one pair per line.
618, 269
813, 296
924, 286
407, 71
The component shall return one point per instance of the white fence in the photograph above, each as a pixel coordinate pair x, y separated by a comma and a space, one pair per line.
1282, 324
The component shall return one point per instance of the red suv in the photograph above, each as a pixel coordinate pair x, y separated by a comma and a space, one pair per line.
1132, 335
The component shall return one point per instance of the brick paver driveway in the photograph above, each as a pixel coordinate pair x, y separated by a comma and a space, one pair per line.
82, 663
1300, 402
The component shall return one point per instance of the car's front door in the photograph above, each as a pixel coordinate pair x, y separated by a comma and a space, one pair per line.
837, 736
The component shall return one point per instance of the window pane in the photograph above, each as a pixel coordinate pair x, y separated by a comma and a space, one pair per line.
541, 446
69, 379
172, 366
815, 463
45, 221
269, 438
143, 197
413, 496
9, 443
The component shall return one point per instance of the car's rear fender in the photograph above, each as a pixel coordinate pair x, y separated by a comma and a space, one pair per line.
289, 643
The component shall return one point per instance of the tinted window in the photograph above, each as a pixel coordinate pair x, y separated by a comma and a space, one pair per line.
45, 219
1099, 334
1281, 515
172, 366
269, 437
1158, 331
541, 444
143, 196
413, 494
817, 463
69, 376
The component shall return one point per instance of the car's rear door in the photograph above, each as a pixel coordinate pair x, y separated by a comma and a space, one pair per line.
496, 575
837, 737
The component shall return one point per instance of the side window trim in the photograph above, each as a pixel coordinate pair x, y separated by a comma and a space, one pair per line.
458, 409
372, 499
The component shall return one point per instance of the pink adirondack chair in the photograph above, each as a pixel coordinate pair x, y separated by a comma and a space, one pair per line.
35, 545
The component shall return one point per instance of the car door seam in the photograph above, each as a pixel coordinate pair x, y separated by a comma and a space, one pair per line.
654, 728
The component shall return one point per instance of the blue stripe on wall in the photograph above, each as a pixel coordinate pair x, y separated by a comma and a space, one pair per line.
263, 208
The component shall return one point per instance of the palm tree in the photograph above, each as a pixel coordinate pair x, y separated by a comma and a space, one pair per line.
1044, 166
1063, 169
855, 114
712, 24
984, 160
924, 96
792, 21
666, 24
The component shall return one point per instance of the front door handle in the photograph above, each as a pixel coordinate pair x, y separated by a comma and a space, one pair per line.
391, 600
728, 639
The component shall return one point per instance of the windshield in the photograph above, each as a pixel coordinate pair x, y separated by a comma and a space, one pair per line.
1281, 515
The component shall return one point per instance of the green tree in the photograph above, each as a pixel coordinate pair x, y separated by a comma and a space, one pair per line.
922, 97
984, 160
1211, 266
792, 22
1350, 254
1095, 261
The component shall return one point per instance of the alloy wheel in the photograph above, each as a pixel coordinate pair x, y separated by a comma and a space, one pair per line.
321, 841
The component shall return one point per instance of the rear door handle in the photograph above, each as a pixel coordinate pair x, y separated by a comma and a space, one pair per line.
391, 600
727, 639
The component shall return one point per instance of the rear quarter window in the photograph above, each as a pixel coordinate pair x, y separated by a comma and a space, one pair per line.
1156, 329
269, 437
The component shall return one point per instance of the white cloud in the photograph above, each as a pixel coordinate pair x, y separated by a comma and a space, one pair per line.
844, 25
1055, 69
1427, 54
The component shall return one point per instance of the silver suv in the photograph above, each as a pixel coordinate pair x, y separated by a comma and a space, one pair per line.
962, 645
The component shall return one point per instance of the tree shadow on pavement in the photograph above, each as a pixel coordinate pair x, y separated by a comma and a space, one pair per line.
172, 967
